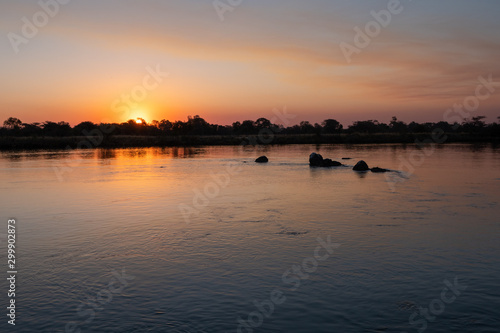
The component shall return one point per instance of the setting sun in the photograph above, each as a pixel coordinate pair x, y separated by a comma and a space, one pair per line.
140, 116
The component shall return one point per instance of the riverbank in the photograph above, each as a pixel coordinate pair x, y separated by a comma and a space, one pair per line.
129, 141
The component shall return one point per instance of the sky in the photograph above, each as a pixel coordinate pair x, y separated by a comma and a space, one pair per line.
232, 60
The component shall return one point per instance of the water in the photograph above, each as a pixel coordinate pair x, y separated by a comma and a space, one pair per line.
85, 216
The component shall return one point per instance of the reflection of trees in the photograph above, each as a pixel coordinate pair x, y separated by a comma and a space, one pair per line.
86, 154
184, 152
105, 154
136, 153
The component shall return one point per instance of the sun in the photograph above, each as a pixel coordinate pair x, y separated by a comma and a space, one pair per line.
139, 116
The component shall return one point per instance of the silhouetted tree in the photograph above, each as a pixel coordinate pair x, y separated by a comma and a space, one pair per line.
247, 127
165, 126
445, 126
236, 127
418, 128
32, 129
84, 127
197, 126
365, 126
178, 127
494, 129
474, 125
318, 129
262, 123
306, 128
398, 126
331, 126
13, 123
61, 128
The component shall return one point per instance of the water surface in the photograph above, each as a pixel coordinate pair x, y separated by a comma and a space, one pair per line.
205, 232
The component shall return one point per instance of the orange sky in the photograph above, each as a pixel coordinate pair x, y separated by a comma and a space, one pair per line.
89, 61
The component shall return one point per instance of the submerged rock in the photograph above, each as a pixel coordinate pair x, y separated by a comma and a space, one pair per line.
346, 158
262, 159
379, 170
361, 166
315, 159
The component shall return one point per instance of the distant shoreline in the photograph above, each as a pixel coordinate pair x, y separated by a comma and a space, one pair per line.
9, 143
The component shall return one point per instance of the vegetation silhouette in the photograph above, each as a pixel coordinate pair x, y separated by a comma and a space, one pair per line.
197, 131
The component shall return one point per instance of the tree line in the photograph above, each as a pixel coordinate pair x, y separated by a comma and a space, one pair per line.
199, 126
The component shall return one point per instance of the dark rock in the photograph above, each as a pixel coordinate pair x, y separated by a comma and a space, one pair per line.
262, 159
361, 166
346, 158
315, 159
329, 163
379, 170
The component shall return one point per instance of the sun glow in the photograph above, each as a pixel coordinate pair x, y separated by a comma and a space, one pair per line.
140, 116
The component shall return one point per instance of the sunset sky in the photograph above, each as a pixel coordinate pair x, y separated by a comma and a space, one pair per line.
263, 55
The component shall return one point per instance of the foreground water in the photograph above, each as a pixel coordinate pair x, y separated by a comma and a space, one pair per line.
205, 240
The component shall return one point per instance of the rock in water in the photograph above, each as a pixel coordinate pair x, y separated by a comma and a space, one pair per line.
315, 159
379, 170
361, 166
329, 163
262, 159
